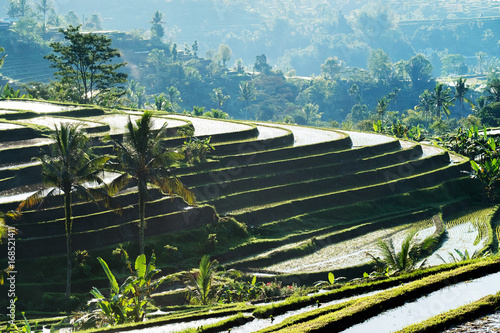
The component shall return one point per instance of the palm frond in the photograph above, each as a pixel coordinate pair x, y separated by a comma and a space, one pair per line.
39, 198
388, 253
119, 183
174, 186
98, 196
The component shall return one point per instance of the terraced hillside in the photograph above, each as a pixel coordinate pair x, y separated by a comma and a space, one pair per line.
298, 190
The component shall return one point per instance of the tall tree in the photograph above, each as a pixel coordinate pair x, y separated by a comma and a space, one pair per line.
18, 8
247, 92
143, 159
219, 97
441, 99
331, 68
425, 105
380, 65
72, 19
174, 97
419, 69
68, 168
382, 105
85, 63
461, 90
157, 30
225, 54
44, 7
481, 58
261, 65
493, 89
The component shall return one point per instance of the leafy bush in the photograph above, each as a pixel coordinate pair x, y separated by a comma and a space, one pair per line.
126, 302
196, 150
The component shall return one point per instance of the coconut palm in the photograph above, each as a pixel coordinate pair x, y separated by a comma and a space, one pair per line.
381, 108
174, 97
142, 158
441, 99
461, 90
45, 6
69, 170
493, 88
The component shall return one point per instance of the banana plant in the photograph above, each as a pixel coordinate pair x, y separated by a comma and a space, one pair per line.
26, 328
128, 302
487, 168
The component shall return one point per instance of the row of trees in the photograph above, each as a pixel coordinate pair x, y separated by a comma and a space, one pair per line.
88, 72
71, 167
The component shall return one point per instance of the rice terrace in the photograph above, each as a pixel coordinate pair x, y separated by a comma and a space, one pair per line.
282, 205
341, 176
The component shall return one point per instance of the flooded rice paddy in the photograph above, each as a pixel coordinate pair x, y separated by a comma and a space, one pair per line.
31, 106
51, 122
117, 122
430, 305
464, 233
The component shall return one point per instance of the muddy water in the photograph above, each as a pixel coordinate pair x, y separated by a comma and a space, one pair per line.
430, 305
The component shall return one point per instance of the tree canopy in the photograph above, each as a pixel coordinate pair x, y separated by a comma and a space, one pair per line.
85, 64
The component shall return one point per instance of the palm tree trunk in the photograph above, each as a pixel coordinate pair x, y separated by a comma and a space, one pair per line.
68, 225
142, 222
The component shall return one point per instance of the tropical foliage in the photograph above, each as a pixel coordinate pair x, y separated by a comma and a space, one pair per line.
404, 259
126, 302
86, 65
141, 157
201, 282
69, 170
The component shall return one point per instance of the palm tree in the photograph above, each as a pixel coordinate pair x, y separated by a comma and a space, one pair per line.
247, 94
161, 103
143, 159
381, 108
157, 30
493, 88
311, 113
481, 57
216, 113
200, 282
174, 96
45, 6
69, 170
441, 99
461, 90
219, 97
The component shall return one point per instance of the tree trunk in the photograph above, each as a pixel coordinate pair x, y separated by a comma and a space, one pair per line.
68, 225
142, 222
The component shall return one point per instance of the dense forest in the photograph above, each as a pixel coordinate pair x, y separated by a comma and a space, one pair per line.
389, 66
